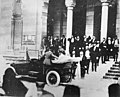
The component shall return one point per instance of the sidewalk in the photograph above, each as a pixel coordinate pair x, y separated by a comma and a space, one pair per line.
93, 85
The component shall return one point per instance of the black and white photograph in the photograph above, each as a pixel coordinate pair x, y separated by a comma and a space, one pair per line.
59, 48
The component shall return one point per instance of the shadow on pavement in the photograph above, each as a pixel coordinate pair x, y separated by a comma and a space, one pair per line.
71, 90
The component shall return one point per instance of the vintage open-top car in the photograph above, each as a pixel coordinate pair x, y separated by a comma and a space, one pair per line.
53, 75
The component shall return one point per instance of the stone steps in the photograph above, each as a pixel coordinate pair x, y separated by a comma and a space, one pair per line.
115, 68
116, 65
113, 72
111, 77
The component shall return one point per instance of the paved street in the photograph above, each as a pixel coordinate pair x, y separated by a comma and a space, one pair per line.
93, 85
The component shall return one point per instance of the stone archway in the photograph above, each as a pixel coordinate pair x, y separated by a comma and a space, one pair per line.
79, 18
112, 21
56, 18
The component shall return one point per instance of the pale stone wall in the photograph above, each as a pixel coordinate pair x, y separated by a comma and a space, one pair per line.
0, 9
44, 17
6, 7
29, 16
39, 24
17, 26
33, 21
89, 21
29, 9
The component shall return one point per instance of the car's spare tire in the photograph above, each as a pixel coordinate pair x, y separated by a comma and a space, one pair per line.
53, 78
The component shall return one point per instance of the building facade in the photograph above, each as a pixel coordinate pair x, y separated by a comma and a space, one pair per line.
24, 23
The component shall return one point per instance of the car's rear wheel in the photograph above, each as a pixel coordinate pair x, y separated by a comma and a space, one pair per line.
53, 78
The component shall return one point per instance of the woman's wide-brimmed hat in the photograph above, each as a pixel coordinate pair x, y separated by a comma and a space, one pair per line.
61, 50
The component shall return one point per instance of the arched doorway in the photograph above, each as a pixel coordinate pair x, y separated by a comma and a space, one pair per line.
79, 18
56, 22
112, 21
57, 18
97, 22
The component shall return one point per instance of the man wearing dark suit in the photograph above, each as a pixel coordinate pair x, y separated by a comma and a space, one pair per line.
56, 46
116, 48
94, 56
83, 64
109, 47
78, 46
63, 42
72, 45
103, 47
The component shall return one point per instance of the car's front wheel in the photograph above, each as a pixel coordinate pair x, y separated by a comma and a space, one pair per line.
53, 78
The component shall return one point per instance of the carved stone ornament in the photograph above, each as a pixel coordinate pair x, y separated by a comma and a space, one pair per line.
70, 3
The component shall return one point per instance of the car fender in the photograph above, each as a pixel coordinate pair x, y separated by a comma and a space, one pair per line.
52, 69
13, 70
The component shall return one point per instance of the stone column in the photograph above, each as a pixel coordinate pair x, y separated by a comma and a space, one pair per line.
0, 9
39, 24
70, 4
17, 24
104, 19
118, 25
118, 19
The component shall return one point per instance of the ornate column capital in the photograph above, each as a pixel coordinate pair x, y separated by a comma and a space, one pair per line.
17, 10
106, 1
70, 3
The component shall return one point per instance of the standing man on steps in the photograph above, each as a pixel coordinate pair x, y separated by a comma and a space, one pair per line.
116, 48
94, 55
103, 47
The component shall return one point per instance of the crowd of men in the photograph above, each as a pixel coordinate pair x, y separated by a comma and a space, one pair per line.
89, 48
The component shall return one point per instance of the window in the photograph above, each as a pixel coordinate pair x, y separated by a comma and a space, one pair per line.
29, 39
